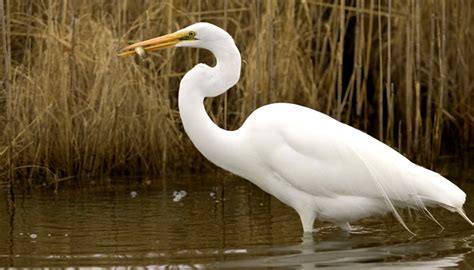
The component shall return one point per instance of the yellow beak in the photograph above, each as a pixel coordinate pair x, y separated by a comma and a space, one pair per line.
155, 43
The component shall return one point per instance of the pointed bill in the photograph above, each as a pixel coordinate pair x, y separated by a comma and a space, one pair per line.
155, 43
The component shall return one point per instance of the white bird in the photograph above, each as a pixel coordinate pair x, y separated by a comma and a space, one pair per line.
315, 164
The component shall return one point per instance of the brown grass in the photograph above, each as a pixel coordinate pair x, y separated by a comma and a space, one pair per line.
400, 70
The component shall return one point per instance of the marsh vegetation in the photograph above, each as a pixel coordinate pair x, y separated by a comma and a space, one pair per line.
400, 70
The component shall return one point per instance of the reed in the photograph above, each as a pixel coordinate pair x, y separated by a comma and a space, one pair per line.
399, 70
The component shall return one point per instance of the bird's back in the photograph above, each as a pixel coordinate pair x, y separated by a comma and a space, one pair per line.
329, 160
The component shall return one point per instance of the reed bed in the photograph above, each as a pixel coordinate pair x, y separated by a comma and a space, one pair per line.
402, 71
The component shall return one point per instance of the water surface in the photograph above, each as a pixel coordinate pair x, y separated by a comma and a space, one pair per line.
222, 222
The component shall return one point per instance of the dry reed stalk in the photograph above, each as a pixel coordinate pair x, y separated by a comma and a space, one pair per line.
381, 77
417, 73
71, 89
167, 85
363, 95
431, 58
225, 96
339, 59
409, 81
464, 23
332, 73
390, 137
358, 50
257, 59
442, 73
6, 50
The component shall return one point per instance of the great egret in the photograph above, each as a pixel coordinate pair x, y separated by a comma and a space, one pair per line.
319, 166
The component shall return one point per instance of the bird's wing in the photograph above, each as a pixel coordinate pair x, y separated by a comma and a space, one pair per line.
323, 157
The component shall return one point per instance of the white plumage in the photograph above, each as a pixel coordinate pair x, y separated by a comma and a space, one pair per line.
315, 164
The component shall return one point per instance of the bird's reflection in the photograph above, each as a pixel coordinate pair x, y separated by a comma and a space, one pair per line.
344, 251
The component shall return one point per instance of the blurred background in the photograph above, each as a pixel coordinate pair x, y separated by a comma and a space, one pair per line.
402, 71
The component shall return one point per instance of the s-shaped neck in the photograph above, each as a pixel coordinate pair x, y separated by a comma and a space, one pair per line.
215, 143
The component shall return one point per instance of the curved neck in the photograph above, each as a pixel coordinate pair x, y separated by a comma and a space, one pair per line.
202, 81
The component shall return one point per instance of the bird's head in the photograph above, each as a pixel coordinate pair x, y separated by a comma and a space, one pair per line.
198, 35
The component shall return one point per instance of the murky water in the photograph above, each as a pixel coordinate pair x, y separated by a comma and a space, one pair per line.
222, 222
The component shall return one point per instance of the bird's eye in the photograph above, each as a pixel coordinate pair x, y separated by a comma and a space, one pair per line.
190, 36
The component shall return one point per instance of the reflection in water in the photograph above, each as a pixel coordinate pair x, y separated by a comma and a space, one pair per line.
221, 222
309, 255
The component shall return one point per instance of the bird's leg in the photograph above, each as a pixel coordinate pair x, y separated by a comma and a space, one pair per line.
307, 219
345, 226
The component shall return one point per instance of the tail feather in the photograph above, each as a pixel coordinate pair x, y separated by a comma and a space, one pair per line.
432, 189
435, 190
418, 188
383, 191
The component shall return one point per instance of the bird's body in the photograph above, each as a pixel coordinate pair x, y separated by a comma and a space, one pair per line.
333, 171
317, 165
